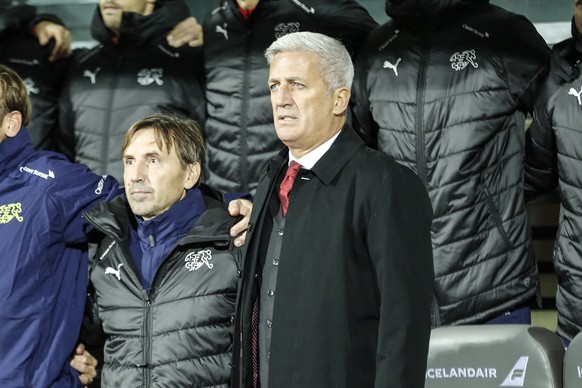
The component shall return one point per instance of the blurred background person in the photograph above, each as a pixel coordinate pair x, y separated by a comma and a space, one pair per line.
444, 88
132, 73
553, 159
36, 47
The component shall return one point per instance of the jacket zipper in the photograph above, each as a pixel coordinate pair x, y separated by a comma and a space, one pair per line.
243, 159
147, 348
421, 86
420, 147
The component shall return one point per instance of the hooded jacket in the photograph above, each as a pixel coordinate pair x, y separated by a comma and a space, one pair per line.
20, 50
113, 85
43, 257
239, 131
443, 88
554, 160
179, 331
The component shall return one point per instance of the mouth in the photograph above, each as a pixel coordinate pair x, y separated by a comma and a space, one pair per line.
140, 192
109, 7
288, 118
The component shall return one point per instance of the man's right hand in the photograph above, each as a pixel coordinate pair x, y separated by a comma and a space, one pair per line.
46, 30
84, 363
240, 207
188, 31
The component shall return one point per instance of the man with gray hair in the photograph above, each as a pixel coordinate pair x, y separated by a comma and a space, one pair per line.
337, 278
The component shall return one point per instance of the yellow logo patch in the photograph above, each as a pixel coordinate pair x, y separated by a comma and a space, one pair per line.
10, 211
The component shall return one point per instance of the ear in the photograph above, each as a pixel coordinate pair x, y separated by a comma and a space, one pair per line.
12, 123
341, 100
192, 175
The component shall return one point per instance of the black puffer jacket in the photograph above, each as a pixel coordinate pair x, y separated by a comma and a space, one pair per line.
239, 131
113, 85
180, 334
443, 89
554, 144
20, 50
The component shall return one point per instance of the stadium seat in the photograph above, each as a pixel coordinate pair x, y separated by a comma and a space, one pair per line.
573, 364
488, 356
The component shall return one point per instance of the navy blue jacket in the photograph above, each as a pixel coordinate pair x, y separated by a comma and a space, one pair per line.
43, 260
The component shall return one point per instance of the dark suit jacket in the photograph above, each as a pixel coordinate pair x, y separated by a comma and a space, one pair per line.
355, 277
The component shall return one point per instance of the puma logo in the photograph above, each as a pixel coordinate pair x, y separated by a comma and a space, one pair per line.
394, 67
116, 272
574, 92
92, 75
222, 30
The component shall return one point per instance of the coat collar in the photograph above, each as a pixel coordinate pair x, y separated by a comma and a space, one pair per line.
13, 150
175, 221
115, 217
341, 151
330, 164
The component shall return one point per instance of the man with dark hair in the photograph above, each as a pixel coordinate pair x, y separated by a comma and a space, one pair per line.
164, 277
131, 74
42, 250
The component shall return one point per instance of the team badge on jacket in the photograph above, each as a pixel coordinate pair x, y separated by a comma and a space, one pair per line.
147, 77
461, 60
195, 260
10, 212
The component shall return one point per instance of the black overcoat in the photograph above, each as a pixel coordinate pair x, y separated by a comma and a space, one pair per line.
355, 276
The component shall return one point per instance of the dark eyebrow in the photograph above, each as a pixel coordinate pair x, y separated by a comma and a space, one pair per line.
148, 155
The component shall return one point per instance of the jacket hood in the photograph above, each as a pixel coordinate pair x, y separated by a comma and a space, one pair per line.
418, 10
137, 30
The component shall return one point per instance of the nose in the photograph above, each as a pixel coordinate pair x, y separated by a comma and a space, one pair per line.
283, 96
136, 172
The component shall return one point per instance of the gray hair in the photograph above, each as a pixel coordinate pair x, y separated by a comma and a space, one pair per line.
335, 62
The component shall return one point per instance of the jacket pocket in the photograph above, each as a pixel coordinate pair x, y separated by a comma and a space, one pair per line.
494, 211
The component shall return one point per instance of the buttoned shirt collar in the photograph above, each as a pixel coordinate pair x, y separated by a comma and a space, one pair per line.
309, 160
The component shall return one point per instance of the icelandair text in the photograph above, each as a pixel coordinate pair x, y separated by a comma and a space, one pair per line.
457, 373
